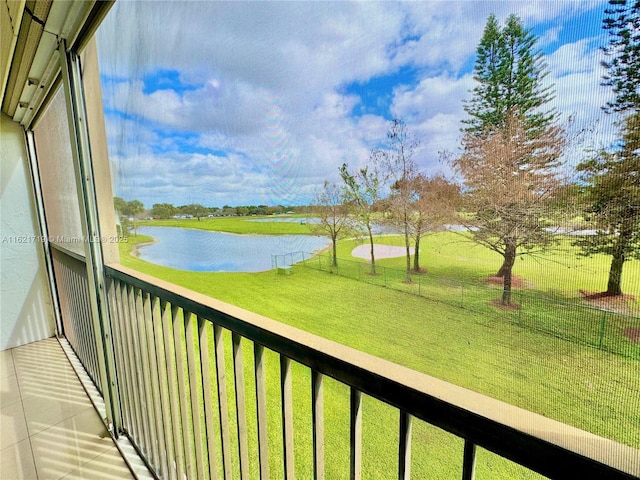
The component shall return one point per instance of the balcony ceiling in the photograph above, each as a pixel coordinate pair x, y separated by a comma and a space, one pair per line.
30, 63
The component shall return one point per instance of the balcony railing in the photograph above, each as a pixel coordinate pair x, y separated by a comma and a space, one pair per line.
172, 374
70, 271
195, 408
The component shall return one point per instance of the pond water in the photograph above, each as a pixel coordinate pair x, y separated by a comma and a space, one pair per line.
206, 251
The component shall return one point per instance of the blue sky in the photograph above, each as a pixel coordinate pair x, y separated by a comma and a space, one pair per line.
261, 102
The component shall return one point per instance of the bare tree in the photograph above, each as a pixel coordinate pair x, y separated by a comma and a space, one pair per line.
436, 203
333, 215
511, 175
398, 165
362, 190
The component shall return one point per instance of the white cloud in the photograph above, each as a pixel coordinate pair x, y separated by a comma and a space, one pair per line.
267, 82
571, 58
443, 94
552, 35
576, 74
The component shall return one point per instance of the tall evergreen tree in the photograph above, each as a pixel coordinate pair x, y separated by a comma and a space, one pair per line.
509, 99
613, 176
510, 73
622, 22
614, 192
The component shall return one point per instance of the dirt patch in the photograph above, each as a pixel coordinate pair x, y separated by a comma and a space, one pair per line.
498, 303
632, 333
625, 304
516, 281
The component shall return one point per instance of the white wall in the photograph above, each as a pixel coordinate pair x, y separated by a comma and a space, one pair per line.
26, 314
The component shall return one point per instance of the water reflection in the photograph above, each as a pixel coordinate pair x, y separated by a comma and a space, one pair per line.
206, 251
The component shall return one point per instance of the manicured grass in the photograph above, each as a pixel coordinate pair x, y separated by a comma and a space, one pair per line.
560, 273
239, 225
488, 353
563, 316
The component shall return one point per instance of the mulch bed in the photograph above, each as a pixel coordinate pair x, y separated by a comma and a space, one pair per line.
613, 303
516, 281
632, 333
498, 303
606, 296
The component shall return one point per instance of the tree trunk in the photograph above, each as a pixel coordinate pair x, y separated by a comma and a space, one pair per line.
614, 285
506, 290
509, 260
510, 251
503, 269
334, 241
407, 244
416, 255
615, 276
373, 257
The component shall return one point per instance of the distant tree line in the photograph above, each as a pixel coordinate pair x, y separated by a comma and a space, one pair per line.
135, 209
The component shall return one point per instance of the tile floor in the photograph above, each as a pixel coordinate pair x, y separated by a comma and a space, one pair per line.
48, 426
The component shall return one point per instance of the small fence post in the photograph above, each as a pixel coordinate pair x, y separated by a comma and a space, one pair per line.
603, 323
384, 273
359, 266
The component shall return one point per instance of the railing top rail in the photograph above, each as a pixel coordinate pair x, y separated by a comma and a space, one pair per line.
544, 445
66, 251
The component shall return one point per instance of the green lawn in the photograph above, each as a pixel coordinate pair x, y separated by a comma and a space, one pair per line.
487, 352
239, 224
457, 281
560, 273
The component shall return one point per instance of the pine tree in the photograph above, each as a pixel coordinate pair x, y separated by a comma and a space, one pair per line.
511, 180
509, 99
613, 176
623, 25
614, 192
510, 73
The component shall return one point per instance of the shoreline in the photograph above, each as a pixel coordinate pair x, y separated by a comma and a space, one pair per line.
134, 248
